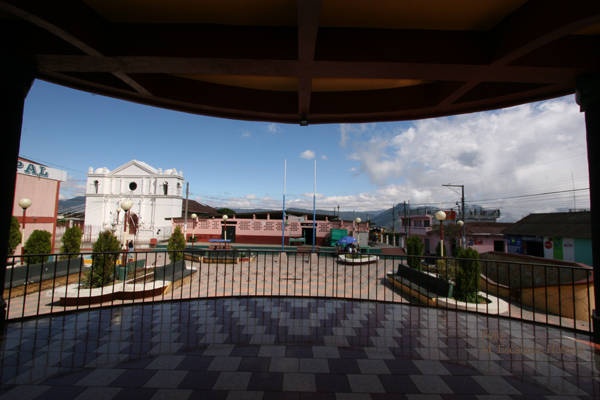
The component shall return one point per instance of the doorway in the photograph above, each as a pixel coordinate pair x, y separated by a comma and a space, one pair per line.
230, 233
307, 234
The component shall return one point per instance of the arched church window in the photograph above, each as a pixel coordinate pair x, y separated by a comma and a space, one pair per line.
96, 185
166, 188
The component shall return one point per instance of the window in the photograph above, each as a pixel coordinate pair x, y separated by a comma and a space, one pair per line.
166, 188
96, 184
426, 223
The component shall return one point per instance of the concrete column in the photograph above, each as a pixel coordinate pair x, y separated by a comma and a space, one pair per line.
16, 78
588, 97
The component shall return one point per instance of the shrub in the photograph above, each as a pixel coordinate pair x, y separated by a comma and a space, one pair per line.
71, 242
176, 245
15, 236
467, 276
103, 265
414, 247
437, 250
40, 242
446, 268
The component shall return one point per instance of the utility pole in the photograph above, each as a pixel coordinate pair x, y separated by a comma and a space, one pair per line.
187, 195
464, 229
393, 224
405, 223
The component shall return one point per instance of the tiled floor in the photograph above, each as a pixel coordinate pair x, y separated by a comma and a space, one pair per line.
292, 348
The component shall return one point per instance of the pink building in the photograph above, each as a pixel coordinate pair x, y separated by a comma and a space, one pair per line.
41, 185
265, 228
482, 232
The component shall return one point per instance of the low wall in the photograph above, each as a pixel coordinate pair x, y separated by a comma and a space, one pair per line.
518, 271
570, 299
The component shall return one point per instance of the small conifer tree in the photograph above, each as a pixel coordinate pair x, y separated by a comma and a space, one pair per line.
467, 276
15, 236
414, 247
103, 264
176, 245
39, 243
71, 241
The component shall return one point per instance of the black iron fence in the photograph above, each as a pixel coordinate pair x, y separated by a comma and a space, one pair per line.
548, 294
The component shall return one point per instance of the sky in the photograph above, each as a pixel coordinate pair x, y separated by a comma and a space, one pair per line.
521, 160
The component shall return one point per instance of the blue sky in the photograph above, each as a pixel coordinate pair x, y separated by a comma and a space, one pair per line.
506, 158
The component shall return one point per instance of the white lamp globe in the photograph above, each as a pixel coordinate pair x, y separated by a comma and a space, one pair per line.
440, 215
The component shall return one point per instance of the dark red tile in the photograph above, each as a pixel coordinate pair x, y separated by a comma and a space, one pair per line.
61, 393
463, 385
281, 396
527, 385
245, 351
265, 381
135, 394
209, 395
352, 352
294, 351
201, 380
133, 378
254, 364
398, 384
341, 366
402, 367
335, 383
195, 363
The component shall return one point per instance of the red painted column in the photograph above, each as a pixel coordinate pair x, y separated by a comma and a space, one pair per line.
16, 78
588, 97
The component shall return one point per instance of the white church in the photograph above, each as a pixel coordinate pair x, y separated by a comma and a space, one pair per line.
157, 196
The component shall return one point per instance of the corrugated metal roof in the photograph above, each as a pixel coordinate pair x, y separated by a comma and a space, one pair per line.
487, 228
571, 225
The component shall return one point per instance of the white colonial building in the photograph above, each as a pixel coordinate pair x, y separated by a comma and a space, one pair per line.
157, 196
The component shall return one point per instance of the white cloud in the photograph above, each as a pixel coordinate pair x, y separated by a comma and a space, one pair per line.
246, 134
348, 131
275, 129
251, 197
323, 157
308, 154
72, 187
526, 149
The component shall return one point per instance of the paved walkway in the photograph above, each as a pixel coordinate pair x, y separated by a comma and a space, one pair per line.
292, 348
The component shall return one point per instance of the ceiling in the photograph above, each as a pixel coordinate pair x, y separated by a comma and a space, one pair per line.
319, 61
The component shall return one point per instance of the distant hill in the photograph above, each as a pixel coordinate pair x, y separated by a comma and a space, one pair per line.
74, 205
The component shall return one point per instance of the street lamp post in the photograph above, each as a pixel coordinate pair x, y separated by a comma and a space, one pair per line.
118, 213
24, 203
462, 236
126, 206
225, 217
194, 216
358, 220
441, 216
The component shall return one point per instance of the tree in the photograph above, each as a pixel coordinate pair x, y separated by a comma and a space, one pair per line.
467, 276
227, 211
452, 233
103, 264
39, 243
176, 245
438, 248
71, 241
414, 247
15, 236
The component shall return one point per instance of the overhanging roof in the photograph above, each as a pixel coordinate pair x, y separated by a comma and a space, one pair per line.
570, 225
325, 61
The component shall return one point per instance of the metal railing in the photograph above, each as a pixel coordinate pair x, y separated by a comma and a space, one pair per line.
547, 294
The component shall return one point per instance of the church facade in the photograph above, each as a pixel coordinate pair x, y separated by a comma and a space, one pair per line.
157, 196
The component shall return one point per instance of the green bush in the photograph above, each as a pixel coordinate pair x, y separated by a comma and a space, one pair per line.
71, 242
39, 242
414, 247
467, 276
446, 268
103, 265
14, 238
176, 245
